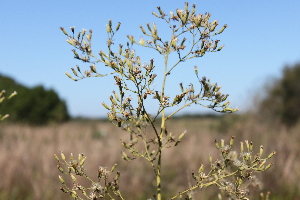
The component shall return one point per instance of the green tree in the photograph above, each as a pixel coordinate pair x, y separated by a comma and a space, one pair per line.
190, 37
35, 105
281, 101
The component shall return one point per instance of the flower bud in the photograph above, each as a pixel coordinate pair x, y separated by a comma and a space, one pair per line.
222, 143
251, 146
149, 28
74, 194
71, 41
202, 43
108, 29
154, 27
73, 178
247, 145
124, 156
220, 48
242, 147
231, 141
217, 144
70, 76
271, 155
74, 72
262, 164
64, 31
261, 150
216, 44
56, 157
160, 11
72, 29
194, 177
156, 15
268, 166
88, 37
62, 156
113, 168
182, 42
152, 153
106, 106
186, 6
142, 41
12, 95
143, 30
213, 25
131, 38
230, 110
118, 26
201, 169
61, 180
83, 32
60, 168
81, 163
117, 175
93, 68
172, 14
226, 104
222, 29
63, 189
196, 70
181, 135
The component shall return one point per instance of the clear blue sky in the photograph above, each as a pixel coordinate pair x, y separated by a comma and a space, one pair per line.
262, 37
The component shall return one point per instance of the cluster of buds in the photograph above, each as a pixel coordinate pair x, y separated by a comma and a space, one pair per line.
211, 92
243, 170
198, 25
98, 188
171, 140
82, 42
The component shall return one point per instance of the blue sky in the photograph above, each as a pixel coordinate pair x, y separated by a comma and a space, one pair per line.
261, 38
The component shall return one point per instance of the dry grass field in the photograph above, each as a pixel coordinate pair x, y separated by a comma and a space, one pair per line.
28, 169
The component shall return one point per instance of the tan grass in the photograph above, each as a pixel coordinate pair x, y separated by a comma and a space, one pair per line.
28, 169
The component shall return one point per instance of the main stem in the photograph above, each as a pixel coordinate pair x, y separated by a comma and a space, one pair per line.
162, 130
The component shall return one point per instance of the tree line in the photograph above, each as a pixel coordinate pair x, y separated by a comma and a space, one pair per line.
35, 105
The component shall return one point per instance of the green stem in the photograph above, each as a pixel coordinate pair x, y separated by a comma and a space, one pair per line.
162, 130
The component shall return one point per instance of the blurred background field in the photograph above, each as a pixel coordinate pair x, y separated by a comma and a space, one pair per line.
28, 169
